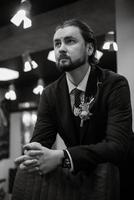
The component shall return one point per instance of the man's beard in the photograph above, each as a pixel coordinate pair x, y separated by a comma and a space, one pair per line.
70, 66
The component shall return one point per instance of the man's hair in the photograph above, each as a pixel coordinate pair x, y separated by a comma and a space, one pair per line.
86, 32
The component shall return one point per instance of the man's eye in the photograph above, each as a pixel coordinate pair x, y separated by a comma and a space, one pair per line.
70, 41
57, 44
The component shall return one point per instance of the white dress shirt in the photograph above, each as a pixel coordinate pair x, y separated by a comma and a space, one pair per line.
81, 86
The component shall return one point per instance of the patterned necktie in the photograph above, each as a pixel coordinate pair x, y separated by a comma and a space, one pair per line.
77, 99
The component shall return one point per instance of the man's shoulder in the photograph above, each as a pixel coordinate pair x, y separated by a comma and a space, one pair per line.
56, 84
111, 76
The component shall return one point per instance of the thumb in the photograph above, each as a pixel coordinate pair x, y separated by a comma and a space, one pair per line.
33, 146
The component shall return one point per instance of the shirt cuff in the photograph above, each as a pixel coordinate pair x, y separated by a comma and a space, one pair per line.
71, 161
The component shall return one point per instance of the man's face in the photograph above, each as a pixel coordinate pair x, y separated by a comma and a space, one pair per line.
70, 49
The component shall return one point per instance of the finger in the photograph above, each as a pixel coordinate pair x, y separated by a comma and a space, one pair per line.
22, 166
34, 153
31, 163
34, 169
33, 145
21, 159
30, 167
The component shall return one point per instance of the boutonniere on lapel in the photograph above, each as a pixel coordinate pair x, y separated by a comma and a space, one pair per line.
84, 109
86, 103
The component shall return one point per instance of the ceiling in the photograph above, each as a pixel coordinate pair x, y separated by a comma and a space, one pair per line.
8, 8
14, 41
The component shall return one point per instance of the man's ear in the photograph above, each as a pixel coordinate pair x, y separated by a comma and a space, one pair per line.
90, 49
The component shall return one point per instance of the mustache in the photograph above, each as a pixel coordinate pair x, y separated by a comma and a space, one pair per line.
63, 56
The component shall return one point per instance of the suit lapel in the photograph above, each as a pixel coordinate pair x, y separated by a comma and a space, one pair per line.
65, 112
92, 83
92, 89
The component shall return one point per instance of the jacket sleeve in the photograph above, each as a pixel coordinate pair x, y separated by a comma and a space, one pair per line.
45, 128
118, 128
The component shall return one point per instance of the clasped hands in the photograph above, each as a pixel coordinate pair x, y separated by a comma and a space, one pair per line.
38, 158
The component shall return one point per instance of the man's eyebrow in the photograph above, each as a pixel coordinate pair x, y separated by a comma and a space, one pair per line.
69, 37
55, 40
65, 38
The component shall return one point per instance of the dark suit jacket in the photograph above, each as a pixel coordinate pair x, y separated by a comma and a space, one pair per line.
95, 148
104, 137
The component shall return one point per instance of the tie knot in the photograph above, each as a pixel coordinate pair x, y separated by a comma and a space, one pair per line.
77, 91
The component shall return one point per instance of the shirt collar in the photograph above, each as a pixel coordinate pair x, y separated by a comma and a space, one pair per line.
81, 86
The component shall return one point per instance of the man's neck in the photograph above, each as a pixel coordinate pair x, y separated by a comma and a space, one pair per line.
77, 75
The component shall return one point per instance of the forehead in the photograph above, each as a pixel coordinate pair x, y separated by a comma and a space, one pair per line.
68, 31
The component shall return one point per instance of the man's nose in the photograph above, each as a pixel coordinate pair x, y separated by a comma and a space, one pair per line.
62, 47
